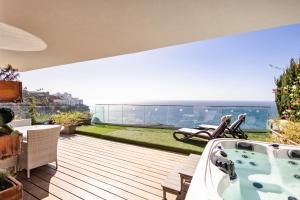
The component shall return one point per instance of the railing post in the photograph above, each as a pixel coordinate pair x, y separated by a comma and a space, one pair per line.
107, 113
168, 107
122, 114
144, 115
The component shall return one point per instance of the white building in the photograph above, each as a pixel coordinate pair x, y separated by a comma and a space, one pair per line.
67, 99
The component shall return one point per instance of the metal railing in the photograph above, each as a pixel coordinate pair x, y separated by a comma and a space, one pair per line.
179, 115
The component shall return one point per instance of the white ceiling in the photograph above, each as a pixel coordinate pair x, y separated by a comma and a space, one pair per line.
80, 30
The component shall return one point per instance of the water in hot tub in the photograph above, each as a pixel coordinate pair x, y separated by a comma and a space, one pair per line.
262, 178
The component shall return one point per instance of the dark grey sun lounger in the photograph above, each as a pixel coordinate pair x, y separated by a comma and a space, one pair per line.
234, 129
212, 127
188, 133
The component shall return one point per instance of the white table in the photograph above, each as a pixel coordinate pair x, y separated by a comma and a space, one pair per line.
24, 129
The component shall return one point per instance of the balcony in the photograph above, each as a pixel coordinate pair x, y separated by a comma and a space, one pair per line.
91, 168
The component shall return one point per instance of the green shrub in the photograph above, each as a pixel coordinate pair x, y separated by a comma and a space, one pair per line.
42, 117
32, 109
86, 115
289, 130
292, 131
68, 118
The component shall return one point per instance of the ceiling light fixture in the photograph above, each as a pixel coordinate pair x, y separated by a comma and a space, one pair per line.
12, 38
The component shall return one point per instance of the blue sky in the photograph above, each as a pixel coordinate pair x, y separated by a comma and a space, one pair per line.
228, 68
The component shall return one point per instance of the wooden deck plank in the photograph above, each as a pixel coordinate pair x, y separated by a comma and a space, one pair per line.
99, 185
111, 168
118, 163
91, 168
35, 191
126, 180
66, 185
27, 196
156, 159
124, 190
135, 148
51, 188
131, 148
122, 158
124, 184
119, 153
127, 150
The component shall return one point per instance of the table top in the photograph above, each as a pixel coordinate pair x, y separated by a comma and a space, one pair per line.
24, 129
35, 127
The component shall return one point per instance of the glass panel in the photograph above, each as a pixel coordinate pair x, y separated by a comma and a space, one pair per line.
115, 114
208, 115
98, 116
133, 114
256, 116
181, 116
156, 115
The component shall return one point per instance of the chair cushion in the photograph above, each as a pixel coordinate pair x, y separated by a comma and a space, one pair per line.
188, 130
207, 126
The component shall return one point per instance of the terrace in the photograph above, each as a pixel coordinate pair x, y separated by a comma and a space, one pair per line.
108, 161
92, 168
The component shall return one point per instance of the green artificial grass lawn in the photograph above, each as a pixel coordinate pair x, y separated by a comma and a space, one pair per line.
152, 137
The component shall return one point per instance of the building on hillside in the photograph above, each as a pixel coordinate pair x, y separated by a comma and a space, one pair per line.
67, 99
45, 98
41, 98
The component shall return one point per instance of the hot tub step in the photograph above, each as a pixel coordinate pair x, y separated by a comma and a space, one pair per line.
178, 180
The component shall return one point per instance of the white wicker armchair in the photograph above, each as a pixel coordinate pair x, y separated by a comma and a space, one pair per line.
40, 148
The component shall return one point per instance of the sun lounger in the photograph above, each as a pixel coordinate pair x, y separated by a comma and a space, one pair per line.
234, 129
208, 134
209, 126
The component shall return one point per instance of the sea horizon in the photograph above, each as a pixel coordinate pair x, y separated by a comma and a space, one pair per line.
198, 102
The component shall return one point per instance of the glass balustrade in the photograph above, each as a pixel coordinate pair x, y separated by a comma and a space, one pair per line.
179, 115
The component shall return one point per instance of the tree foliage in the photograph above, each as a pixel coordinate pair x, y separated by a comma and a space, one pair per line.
8, 73
287, 93
32, 109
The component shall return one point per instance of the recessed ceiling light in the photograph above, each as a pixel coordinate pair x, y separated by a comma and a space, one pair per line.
12, 38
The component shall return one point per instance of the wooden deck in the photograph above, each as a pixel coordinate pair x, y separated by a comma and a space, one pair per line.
91, 168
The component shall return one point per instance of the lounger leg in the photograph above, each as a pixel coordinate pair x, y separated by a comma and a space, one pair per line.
56, 164
28, 173
181, 184
185, 138
164, 194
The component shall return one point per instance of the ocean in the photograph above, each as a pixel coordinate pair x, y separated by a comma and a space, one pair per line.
185, 113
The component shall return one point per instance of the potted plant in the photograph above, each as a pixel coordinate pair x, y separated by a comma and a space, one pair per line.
10, 188
10, 145
85, 119
10, 140
69, 121
10, 87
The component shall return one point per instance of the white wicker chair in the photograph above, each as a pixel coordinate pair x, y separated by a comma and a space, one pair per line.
40, 148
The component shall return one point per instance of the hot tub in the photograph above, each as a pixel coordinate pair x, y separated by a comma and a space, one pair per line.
242, 169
